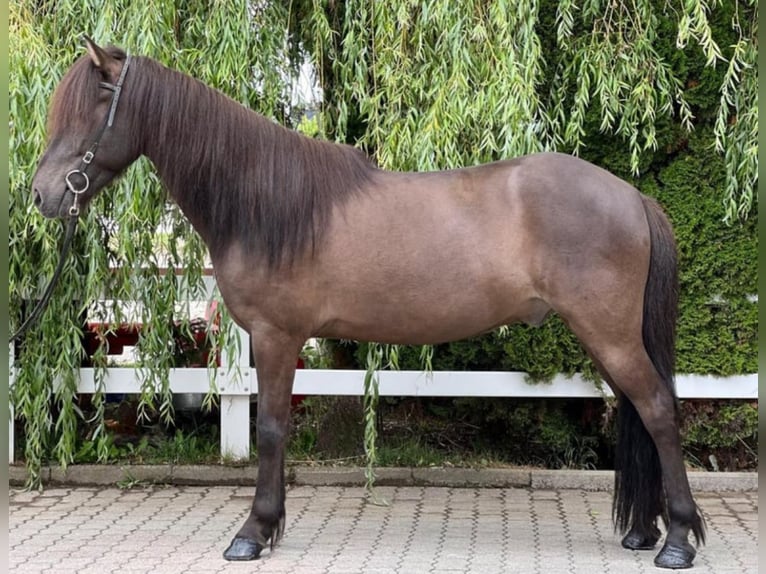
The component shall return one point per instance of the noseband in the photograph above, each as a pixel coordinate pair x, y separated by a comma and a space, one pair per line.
74, 210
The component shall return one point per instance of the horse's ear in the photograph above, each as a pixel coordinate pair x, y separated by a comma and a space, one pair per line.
103, 61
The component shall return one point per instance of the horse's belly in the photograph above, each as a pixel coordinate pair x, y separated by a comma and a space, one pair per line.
447, 315
431, 258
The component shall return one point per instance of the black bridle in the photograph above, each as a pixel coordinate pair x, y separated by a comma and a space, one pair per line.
74, 211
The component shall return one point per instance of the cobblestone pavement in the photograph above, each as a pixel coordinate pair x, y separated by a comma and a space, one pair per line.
332, 529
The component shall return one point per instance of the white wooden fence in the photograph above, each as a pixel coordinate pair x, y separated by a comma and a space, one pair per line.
236, 390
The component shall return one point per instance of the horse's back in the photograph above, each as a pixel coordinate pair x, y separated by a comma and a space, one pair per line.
431, 257
445, 255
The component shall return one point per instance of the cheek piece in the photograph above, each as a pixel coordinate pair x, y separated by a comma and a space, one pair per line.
77, 180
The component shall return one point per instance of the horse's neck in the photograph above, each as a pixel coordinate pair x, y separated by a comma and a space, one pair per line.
178, 141
239, 177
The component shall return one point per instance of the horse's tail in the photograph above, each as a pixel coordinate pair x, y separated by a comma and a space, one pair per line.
638, 493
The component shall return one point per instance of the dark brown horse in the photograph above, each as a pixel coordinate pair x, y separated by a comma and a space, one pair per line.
309, 239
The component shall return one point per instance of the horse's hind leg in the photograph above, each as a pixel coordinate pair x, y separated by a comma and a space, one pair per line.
642, 534
651, 478
275, 360
635, 446
621, 300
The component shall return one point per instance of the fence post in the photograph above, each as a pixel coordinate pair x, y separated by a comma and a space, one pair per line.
235, 400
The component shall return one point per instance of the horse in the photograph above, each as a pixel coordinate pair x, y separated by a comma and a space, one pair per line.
309, 238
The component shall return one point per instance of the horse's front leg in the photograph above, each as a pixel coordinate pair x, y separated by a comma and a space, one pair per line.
275, 358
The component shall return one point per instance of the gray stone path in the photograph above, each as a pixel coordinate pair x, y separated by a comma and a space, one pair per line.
162, 530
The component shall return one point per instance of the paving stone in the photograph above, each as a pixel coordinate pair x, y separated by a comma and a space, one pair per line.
335, 529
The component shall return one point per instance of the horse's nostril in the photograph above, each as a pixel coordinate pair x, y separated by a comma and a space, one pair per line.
38, 198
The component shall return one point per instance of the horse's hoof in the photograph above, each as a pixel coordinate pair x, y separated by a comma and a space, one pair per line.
675, 557
636, 541
242, 549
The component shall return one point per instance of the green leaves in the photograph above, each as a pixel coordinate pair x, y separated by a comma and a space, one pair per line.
694, 25
443, 84
448, 85
129, 235
736, 126
378, 357
419, 85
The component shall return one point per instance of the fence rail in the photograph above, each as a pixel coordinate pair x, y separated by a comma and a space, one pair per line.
237, 382
236, 392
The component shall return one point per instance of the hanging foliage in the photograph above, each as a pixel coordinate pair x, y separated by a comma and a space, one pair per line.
235, 48
418, 85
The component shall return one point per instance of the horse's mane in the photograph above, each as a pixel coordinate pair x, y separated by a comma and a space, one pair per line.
237, 176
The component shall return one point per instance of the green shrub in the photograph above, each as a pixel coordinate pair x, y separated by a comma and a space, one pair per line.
727, 431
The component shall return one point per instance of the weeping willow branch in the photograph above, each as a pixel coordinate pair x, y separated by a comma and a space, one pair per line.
226, 44
419, 85
370, 405
736, 126
378, 357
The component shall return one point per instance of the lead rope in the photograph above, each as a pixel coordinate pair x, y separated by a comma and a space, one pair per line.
43, 302
74, 210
